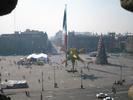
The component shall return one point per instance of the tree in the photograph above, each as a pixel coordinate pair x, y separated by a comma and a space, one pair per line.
101, 57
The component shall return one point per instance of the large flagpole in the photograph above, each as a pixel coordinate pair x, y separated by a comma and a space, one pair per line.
65, 32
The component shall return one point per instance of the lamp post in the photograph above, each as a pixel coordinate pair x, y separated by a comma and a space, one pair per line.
41, 97
55, 84
0, 83
121, 73
81, 72
42, 82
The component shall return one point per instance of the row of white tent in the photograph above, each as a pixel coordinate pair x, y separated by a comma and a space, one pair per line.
10, 84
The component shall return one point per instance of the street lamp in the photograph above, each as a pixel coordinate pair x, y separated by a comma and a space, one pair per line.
81, 73
42, 82
55, 84
121, 73
0, 83
41, 97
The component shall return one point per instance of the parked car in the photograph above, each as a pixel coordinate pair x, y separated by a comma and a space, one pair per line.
101, 95
93, 54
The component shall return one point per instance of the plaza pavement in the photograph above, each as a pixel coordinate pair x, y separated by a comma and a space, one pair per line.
96, 76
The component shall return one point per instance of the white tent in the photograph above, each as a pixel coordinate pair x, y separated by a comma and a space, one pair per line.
14, 84
38, 57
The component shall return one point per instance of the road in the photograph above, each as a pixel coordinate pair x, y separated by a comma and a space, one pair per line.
69, 94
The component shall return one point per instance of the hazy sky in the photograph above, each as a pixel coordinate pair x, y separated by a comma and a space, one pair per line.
100, 16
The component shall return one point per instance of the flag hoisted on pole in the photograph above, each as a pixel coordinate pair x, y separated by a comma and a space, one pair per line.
65, 28
65, 31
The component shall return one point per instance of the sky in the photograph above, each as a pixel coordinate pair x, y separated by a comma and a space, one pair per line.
99, 16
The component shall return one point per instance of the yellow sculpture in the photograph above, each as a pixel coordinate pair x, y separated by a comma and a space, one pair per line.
73, 55
130, 93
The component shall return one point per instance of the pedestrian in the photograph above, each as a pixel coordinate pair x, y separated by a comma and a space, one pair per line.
1, 90
48, 77
23, 76
114, 91
5, 80
115, 82
39, 81
30, 72
26, 93
8, 74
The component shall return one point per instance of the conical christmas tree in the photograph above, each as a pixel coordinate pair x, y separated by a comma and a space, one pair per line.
101, 57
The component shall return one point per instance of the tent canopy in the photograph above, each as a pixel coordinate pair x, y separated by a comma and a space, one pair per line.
37, 56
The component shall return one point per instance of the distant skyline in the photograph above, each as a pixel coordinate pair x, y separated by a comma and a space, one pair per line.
99, 16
